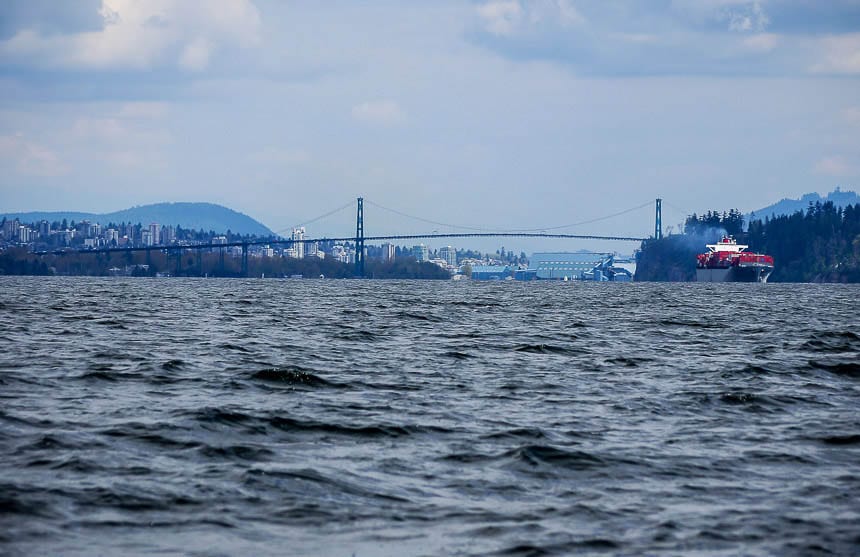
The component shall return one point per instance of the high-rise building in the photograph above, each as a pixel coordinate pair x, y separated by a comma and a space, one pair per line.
168, 234
146, 237
299, 234
44, 229
449, 254
388, 252
420, 252
23, 234
338, 253
154, 234
313, 250
10, 229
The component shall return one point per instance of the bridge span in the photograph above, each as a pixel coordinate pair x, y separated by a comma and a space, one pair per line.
359, 239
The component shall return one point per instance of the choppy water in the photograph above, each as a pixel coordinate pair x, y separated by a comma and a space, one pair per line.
252, 417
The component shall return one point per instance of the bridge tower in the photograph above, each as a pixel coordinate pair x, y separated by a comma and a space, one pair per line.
359, 239
658, 220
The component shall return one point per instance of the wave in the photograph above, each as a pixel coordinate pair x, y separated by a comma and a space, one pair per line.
517, 433
310, 475
544, 349
375, 430
419, 316
833, 342
547, 454
851, 439
240, 452
358, 335
293, 376
561, 548
847, 369
694, 324
173, 365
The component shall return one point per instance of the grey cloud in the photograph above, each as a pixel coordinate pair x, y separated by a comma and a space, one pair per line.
49, 17
157, 21
678, 37
814, 16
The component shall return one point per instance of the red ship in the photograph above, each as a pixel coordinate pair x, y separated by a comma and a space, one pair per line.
726, 261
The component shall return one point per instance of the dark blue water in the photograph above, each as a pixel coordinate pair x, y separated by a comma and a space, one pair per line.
265, 417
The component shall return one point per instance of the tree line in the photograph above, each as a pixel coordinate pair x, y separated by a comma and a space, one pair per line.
19, 261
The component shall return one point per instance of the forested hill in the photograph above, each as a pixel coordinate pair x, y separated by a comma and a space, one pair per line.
790, 206
193, 216
820, 244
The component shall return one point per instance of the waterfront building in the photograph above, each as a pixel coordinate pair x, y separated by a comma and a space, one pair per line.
490, 272
420, 253
568, 266
146, 237
221, 240
449, 254
441, 263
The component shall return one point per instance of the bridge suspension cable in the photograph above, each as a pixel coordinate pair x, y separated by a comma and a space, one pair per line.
510, 230
428, 221
313, 220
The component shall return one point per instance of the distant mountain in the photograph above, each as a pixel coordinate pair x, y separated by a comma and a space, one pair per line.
790, 206
207, 216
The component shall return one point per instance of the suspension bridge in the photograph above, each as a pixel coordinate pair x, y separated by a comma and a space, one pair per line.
360, 238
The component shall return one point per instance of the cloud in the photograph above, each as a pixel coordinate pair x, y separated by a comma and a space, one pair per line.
761, 42
507, 17
143, 110
104, 129
838, 55
140, 35
279, 156
835, 165
49, 17
675, 37
195, 55
382, 112
500, 17
851, 115
30, 158
747, 18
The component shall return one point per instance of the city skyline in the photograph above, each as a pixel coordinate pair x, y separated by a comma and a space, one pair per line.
499, 113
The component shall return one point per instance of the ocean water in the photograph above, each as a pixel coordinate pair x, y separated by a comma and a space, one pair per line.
321, 417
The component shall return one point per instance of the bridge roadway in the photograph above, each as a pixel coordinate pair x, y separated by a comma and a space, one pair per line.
245, 244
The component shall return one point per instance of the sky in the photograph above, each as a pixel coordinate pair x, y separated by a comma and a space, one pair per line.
492, 114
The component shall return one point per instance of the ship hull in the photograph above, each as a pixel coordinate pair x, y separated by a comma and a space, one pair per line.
745, 273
